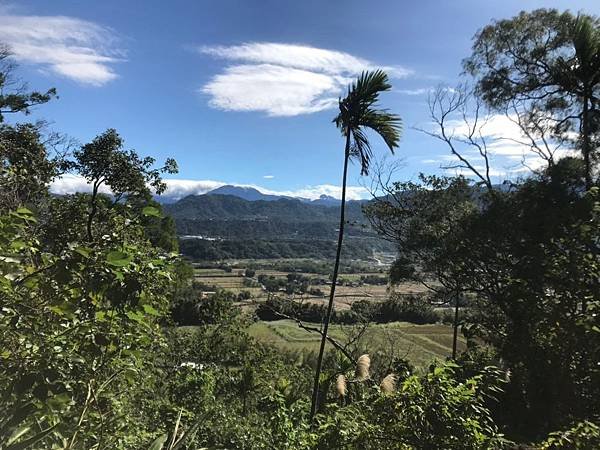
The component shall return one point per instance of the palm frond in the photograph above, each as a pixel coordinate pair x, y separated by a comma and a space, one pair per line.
386, 124
361, 149
358, 111
586, 38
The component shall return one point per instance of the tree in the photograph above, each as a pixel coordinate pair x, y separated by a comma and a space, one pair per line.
14, 97
81, 325
25, 169
104, 162
425, 220
544, 68
358, 112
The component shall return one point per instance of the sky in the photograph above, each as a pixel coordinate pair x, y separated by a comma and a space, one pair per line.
244, 92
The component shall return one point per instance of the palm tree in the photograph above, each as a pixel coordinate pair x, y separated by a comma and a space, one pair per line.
358, 112
585, 76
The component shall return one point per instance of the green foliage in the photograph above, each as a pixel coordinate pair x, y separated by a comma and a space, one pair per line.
398, 308
206, 250
543, 65
430, 411
359, 111
25, 169
582, 436
534, 283
104, 162
74, 328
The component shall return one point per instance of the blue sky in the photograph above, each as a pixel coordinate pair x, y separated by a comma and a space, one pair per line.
242, 91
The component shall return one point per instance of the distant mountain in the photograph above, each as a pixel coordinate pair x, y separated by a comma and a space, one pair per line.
214, 206
326, 200
252, 194
247, 193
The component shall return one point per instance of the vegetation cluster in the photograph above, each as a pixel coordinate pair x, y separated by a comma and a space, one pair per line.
93, 288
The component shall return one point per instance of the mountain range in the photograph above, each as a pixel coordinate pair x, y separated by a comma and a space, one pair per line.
253, 194
242, 222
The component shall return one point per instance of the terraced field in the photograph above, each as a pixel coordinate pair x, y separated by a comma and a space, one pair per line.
420, 344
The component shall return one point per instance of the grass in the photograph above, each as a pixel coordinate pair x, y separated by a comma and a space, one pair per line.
420, 344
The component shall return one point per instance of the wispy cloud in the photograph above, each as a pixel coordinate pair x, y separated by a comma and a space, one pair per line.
314, 192
268, 177
414, 92
509, 150
177, 189
77, 49
70, 184
283, 79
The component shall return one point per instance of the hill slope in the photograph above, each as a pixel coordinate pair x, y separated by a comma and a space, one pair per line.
215, 226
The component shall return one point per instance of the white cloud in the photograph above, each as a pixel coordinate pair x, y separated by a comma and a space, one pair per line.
268, 177
507, 146
70, 184
314, 192
279, 91
283, 79
287, 55
413, 92
77, 49
177, 189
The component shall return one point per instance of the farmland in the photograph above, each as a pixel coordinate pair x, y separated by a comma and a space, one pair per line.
419, 344
350, 291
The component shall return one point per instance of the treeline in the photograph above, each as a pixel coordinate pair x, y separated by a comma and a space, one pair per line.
292, 265
228, 207
398, 308
211, 250
265, 228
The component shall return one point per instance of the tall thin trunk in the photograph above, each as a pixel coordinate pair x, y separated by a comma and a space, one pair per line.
586, 150
92, 213
455, 336
315, 393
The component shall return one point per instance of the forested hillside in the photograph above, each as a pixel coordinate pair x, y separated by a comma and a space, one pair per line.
229, 207
215, 226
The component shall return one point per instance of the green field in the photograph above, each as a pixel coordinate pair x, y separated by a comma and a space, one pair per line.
420, 344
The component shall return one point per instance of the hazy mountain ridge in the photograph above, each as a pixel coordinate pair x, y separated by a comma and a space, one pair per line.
216, 226
252, 194
224, 207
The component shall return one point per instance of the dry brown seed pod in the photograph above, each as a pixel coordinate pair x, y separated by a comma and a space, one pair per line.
362, 367
388, 384
340, 385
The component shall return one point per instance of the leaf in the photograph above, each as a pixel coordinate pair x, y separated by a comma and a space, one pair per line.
118, 259
24, 213
32, 440
20, 431
149, 309
190, 434
83, 251
159, 442
151, 211
18, 245
59, 402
